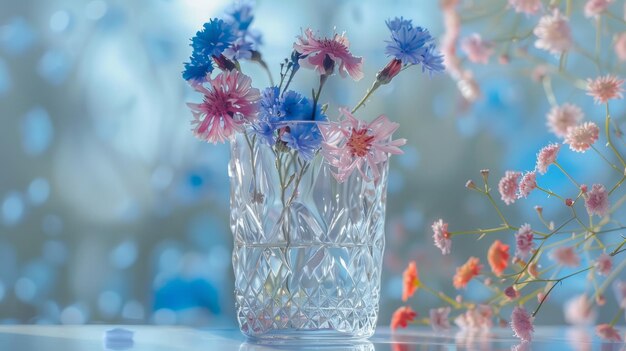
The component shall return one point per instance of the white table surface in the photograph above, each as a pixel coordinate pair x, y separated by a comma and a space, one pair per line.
91, 337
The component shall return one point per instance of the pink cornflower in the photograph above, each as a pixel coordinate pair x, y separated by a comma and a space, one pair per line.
527, 184
561, 118
524, 241
620, 46
439, 318
522, 323
565, 256
402, 317
581, 137
604, 264
441, 236
579, 310
324, 52
594, 8
529, 7
553, 33
608, 332
597, 201
508, 186
477, 49
546, 157
229, 102
604, 88
351, 144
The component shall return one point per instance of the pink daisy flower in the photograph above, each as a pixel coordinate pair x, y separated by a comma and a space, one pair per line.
620, 46
597, 201
524, 241
229, 102
441, 236
351, 144
319, 50
604, 88
527, 184
604, 264
566, 256
561, 118
546, 157
529, 7
553, 33
522, 323
439, 318
579, 310
594, 8
608, 332
476, 49
508, 186
581, 137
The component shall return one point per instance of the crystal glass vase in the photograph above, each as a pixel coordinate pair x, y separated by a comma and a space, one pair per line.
308, 249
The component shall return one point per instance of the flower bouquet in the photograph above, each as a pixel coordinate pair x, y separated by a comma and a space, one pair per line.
308, 185
579, 235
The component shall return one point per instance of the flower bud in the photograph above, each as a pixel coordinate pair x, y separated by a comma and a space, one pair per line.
511, 293
569, 202
470, 184
391, 70
583, 188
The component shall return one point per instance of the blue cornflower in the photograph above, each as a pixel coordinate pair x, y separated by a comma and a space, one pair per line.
395, 24
240, 16
433, 60
295, 107
215, 37
198, 68
240, 49
413, 45
305, 137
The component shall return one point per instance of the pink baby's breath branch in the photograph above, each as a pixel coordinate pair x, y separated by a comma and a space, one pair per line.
607, 131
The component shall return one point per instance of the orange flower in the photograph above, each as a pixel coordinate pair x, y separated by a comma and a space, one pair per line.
411, 281
466, 272
498, 257
402, 316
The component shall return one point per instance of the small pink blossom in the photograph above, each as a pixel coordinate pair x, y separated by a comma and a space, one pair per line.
619, 289
581, 137
529, 7
477, 49
527, 184
561, 118
546, 157
579, 310
604, 264
553, 33
511, 293
351, 144
508, 186
604, 88
229, 102
608, 332
566, 256
522, 323
439, 320
620, 46
319, 50
594, 8
597, 201
524, 241
480, 317
441, 236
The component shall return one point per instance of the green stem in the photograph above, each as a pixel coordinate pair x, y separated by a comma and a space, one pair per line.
617, 316
480, 231
549, 192
566, 174
608, 136
375, 86
441, 296
495, 206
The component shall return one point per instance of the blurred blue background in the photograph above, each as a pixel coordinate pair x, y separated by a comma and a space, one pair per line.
110, 210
